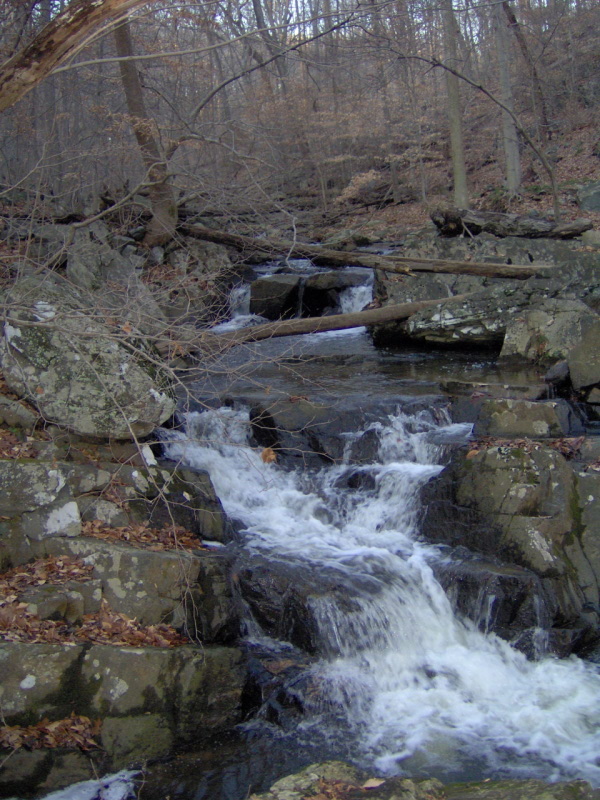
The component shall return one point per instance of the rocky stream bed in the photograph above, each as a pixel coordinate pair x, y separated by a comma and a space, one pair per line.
378, 546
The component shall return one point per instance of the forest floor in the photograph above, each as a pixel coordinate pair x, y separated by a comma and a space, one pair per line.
575, 163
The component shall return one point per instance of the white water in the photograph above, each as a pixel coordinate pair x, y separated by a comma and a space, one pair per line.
407, 685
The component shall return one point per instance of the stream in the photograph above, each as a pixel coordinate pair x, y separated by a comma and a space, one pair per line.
397, 683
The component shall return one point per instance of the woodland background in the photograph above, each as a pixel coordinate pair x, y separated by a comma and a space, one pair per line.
234, 108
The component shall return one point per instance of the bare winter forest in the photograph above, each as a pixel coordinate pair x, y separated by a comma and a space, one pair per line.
296, 109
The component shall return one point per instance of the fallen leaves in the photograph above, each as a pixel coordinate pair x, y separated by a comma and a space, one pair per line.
169, 537
17, 624
53, 570
268, 455
13, 447
72, 732
568, 447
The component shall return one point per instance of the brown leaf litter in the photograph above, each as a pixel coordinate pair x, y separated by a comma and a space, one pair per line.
74, 732
18, 624
169, 537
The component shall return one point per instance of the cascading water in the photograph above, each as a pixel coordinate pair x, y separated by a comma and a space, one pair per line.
401, 681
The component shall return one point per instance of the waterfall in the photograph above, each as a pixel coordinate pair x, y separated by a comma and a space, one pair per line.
403, 682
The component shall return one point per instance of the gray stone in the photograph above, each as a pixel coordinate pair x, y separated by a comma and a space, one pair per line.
175, 587
336, 279
92, 508
20, 767
54, 602
588, 197
68, 768
275, 297
36, 680
37, 498
591, 238
317, 779
15, 415
584, 359
538, 420
132, 741
548, 330
140, 583
198, 690
78, 375
208, 688
587, 527
479, 319
29, 485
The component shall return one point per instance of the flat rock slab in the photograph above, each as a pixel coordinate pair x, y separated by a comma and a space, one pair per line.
511, 418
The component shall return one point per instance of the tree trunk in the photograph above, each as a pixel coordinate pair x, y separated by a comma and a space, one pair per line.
457, 149
510, 136
270, 248
457, 221
538, 94
164, 209
59, 40
336, 322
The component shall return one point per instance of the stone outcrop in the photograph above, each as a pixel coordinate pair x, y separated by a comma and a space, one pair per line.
275, 297
150, 700
496, 305
507, 417
525, 504
335, 776
76, 370
548, 331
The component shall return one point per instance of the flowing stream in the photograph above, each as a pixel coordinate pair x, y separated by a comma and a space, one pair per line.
412, 687
401, 684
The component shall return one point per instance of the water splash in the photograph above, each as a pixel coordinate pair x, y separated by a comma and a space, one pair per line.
402, 681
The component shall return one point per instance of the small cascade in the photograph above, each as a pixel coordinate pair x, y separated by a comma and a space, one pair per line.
402, 681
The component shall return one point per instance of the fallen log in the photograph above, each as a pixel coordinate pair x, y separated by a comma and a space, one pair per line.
272, 248
336, 322
458, 221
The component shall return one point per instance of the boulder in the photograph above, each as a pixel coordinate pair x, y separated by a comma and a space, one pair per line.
548, 330
56, 354
480, 319
275, 297
333, 778
312, 434
538, 420
176, 587
521, 503
195, 289
321, 291
588, 196
584, 358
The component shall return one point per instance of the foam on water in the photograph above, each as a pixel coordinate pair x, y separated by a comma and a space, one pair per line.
410, 684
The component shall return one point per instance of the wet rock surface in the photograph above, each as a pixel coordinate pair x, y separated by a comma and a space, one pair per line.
343, 781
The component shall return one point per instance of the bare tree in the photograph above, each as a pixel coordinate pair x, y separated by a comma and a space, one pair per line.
164, 209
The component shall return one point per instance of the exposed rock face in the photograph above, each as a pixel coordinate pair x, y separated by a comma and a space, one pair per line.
584, 359
525, 504
548, 330
275, 297
319, 779
505, 417
571, 274
588, 197
74, 369
190, 692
